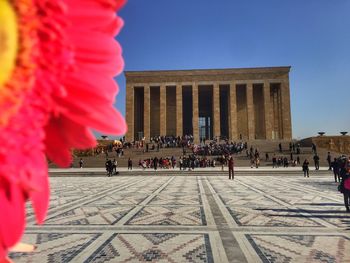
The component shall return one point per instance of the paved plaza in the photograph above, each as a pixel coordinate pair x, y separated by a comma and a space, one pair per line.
191, 219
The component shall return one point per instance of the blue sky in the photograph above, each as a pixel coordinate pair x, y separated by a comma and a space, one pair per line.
312, 36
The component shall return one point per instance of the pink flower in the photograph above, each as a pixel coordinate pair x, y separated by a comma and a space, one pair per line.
59, 84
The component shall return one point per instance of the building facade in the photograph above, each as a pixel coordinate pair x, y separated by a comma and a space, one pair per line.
242, 103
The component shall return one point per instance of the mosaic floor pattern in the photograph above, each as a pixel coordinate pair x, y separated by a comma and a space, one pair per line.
191, 219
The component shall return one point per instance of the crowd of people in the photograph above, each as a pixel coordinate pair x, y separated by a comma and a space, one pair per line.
157, 142
155, 163
187, 162
217, 148
111, 167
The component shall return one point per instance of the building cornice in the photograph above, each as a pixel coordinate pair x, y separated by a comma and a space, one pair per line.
193, 75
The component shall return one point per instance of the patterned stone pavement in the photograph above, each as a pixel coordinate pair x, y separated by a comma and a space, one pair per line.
191, 219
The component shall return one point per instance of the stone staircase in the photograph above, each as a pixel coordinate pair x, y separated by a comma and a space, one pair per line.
270, 147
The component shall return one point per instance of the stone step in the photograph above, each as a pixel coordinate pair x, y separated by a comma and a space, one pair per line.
165, 172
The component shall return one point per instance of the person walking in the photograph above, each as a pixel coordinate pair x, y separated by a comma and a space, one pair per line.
306, 168
81, 162
231, 174
129, 164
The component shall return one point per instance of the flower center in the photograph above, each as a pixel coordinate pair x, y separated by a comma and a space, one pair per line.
8, 40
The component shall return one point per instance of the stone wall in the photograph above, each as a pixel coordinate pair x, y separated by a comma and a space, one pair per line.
339, 144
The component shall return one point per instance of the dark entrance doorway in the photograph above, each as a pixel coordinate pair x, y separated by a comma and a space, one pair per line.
204, 127
205, 104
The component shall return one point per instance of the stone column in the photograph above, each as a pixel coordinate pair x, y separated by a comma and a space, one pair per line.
162, 114
179, 121
233, 134
250, 111
216, 110
147, 112
195, 113
276, 126
268, 110
286, 114
129, 113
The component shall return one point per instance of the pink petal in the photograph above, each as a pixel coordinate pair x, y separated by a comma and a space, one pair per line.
12, 216
94, 92
97, 52
95, 117
56, 148
75, 135
40, 195
100, 84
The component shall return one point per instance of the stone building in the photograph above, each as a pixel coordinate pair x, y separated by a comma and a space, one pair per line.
241, 103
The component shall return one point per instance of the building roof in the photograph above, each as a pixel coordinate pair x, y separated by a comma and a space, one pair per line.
226, 74
281, 69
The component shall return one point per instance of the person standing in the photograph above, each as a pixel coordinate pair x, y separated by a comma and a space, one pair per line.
317, 161
335, 167
231, 174
109, 167
344, 186
257, 162
81, 162
306, 168
155, 163
115, 164
267, 157
274, 161
193, 162
314, 148
222, 162
173, 162
329, 160
129, 164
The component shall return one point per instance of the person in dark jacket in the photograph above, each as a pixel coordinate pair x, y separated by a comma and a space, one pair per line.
329, 161
109, 167
306, 168
317, 161
335, 168
129, 164
344, 188
155, 163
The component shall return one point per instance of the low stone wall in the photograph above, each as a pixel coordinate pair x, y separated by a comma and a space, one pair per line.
339, 144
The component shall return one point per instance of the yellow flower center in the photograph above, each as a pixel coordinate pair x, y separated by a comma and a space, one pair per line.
8, 41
